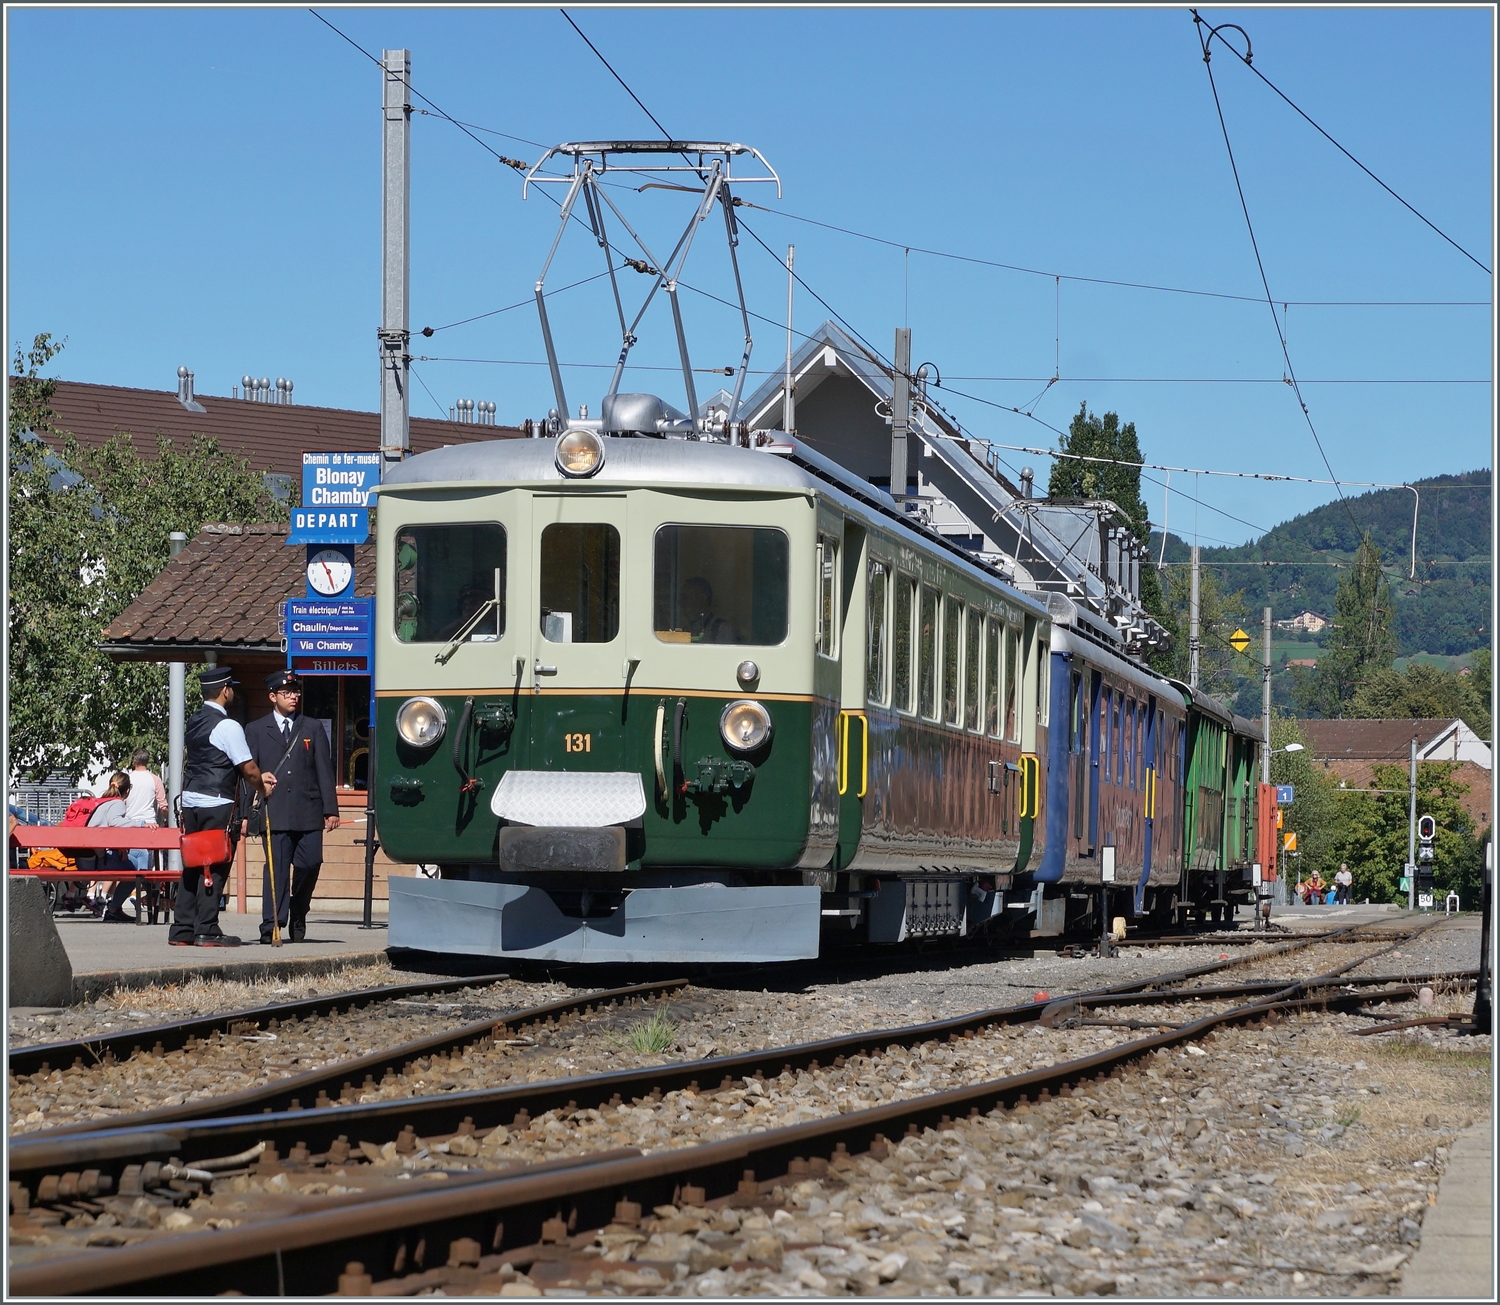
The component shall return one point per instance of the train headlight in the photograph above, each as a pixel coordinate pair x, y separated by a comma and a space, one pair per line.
579, 452
745, 725
421, 722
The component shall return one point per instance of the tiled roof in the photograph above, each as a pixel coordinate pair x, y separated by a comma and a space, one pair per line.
272, 435
1370, 740
222, 592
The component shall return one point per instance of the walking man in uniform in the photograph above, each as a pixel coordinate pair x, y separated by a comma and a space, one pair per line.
217, 757
305, 806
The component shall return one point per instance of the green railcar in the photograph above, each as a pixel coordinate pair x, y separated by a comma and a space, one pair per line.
700, 704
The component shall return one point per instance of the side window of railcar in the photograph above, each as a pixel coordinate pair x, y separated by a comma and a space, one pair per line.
1109, 734
448, 580
1012, 684
1140, 743
994, 673
720, 584
1128, 743
1119, 728
877, 660
901, 658
1076, 712
828, 607
953, 636
973, 639
1043, 679
580, 589
927, 703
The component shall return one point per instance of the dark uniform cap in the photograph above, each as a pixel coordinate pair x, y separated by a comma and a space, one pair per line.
216, 677
283, 680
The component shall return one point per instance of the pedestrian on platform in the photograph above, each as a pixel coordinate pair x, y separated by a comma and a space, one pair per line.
217, 756
114, 813
1315, 890
1345, 881
304, 807
146, 805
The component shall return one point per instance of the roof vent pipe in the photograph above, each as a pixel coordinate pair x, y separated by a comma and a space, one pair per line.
1028, 479
185, 391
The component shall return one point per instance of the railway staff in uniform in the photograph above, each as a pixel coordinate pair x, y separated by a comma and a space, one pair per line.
217, 757
295, 749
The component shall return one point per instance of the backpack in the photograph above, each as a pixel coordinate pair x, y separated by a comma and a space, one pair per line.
81, 809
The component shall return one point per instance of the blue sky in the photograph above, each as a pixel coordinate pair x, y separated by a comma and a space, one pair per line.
202, 187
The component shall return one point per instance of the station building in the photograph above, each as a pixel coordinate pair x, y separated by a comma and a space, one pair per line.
220, 599
1349, 751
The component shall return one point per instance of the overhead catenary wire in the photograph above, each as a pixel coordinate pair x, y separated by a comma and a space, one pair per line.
1248, 60
1107, 281
874, 352
406, 81
1261, 267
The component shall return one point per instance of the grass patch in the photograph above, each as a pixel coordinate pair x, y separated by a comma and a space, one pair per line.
650, 1037
1412, 1051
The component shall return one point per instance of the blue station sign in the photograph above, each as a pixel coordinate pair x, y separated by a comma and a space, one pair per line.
335, 629
1284, 794
336, 490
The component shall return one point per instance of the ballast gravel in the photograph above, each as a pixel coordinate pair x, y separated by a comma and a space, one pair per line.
1287, 1161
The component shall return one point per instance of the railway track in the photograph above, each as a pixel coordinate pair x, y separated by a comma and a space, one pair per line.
321, 1138
222, 1038
463, 1235
344, 1080
44, 1166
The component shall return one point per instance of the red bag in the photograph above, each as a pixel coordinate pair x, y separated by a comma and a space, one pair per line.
81, 809
206, 847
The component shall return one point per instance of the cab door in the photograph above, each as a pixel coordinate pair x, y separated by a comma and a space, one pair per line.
578, 665
853, 726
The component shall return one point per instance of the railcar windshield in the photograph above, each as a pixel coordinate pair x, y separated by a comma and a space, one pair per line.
450, 582
721, 584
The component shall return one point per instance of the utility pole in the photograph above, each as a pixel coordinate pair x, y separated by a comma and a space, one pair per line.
395, 248
176, 721
1411, 833
900, 412
1265, 699
1194, 641
788, 404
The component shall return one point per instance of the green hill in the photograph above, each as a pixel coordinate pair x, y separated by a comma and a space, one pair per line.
1444, 609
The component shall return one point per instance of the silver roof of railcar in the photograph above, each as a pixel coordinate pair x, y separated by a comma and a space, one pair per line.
633, 460
627, 461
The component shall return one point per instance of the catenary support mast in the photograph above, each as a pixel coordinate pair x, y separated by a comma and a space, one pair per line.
395, 245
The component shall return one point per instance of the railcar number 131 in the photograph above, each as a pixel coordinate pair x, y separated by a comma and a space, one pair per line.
578, 742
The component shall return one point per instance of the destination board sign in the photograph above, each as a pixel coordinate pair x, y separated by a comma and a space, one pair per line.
336, 492
311, 618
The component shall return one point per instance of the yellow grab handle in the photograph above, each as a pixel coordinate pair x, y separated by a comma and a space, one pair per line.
864, 777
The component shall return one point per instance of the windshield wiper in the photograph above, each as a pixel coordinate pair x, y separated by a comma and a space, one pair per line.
489, 604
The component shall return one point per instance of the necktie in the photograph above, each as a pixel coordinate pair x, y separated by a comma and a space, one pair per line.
286, 731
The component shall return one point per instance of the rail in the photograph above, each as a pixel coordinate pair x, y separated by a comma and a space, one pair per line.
380, 1247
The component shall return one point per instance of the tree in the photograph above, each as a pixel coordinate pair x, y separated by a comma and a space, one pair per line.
1372, 829
1118, 480
1312, 816
1360, 642
1218, 614
1423, 692
88, 531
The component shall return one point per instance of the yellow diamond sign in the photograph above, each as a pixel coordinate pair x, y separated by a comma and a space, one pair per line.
1239, 641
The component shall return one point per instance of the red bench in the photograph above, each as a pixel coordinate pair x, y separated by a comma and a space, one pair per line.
80, 838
